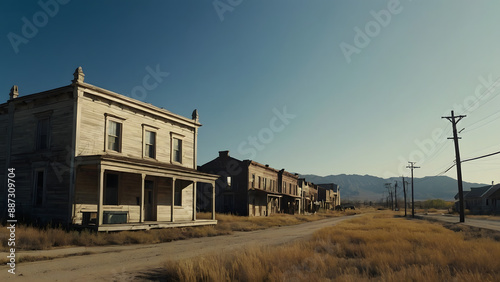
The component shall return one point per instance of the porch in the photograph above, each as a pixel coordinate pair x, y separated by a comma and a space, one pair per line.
147, 225
117, 193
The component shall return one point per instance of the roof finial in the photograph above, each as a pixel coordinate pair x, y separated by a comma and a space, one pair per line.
78, 75
14, 92
195, 115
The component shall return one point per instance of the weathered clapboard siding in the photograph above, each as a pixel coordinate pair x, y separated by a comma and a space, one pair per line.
163, 198
257, 203
185, 212
93, 132
4, 119
266, 179
54, 161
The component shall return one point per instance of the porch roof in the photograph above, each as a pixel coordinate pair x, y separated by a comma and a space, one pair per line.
149, 167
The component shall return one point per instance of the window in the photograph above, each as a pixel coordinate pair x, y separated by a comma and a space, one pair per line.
259, 182
253, 180
114, 136
42, 136
111, 189
150, 144
228, 180
177, 150
178, 194
39, 185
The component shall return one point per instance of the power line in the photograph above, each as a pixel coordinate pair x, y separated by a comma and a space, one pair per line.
480, 157
474, 126
491, 89
463, 161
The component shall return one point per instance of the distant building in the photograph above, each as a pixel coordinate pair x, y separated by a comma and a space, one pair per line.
331, 195
83, 155
289, 189
482, 200
309, 194
248, 188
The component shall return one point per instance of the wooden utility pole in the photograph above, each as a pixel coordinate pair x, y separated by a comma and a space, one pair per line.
389, 193
396, 196
411, 166
404, 191
454, 120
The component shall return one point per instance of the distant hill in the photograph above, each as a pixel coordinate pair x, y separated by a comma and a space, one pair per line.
367, 187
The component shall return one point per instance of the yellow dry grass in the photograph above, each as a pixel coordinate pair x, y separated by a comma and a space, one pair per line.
373, 247
34, 238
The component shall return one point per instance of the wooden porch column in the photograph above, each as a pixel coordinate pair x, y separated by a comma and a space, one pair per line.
141, 204
279, 205
194, 200
100, 196
267, 205
213, 200
173, 201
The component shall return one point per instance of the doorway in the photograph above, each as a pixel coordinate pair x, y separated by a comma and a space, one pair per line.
149, 207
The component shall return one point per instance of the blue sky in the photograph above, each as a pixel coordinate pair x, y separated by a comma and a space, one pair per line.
275, 72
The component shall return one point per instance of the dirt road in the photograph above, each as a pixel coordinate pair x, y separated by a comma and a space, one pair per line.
480, 223
127, 263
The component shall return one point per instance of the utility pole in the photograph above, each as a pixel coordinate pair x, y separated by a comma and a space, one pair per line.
389, 193
396, 196
411, 166
454, 120
404, 191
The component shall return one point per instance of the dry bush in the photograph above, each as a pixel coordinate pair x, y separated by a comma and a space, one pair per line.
374, 247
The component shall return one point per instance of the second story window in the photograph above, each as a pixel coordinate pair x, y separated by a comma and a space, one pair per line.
43, 134
114, 135
150, 144
177, 150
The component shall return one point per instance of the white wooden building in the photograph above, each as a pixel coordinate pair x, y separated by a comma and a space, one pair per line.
87, 156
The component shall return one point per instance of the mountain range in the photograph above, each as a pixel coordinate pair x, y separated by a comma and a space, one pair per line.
372, 188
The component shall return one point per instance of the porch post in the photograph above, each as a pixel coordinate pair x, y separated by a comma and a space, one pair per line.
141, 204
100, 196
194, 200
213, 200
267, 204
279, 205
173, 201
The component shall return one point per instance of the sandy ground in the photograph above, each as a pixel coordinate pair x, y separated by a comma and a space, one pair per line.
143, 262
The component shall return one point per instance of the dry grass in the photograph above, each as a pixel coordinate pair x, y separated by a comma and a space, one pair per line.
34, 238
374, 247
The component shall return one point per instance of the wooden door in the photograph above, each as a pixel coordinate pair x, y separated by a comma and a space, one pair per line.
149, 207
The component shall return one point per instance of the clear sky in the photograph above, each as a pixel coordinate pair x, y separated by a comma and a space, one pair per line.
320, 87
